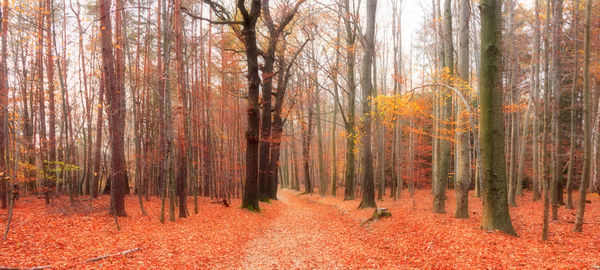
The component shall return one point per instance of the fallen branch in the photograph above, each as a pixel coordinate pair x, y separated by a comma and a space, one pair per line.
112, 255
224, 202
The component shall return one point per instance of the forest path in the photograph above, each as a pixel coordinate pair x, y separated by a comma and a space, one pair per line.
309, 235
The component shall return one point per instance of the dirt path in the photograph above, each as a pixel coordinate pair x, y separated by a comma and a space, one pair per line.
309, 235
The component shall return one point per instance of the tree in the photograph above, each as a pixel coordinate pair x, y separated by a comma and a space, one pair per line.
368, 184
4, 183
556, 93
544, 173
50, 69
439, 197
250, 196
587, 130
117, 110
536, 100
397, 36
463, 175
181, 111
350, 26
267, 181
496, 215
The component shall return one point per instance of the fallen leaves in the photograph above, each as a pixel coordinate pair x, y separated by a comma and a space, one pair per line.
300, 231
66, 237
417, 237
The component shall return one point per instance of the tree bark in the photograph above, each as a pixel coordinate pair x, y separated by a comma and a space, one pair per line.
182, 111
251, 192
439, 199
368, 185
4, 172
117, 109
544, 158
350, 125
556, 93
463, 175
587, 129
496, 214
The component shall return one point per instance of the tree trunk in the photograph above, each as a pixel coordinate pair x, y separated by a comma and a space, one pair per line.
572, 144
322, 181
264, 172
496, 214
251, 192
182, 112
439, 199
587, 129
336, 98
536, 99
556, 93
368, 185
308, 185
544, 173
463, 175
397, 152
4, 172
350, 125
117, 110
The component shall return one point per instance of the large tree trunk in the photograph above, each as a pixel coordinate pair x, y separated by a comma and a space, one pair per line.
250, 196
117, 110
512, 100
463, 170
368, 185
181, 112
264, 172
495, 215
587, 129
544, 158
572, 110
556, 93
536, 90
439, 199
350, 125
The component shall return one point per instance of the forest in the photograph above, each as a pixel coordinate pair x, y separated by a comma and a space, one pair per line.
300, 134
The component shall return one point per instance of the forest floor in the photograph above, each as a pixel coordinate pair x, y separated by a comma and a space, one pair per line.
298, 231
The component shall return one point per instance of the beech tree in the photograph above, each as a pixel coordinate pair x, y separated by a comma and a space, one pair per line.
117, 115
495, 215
368, 184
587, 143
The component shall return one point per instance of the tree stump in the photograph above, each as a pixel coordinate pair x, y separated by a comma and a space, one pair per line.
381, 212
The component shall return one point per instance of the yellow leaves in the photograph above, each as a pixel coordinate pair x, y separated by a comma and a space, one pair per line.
388, 108
513, 108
